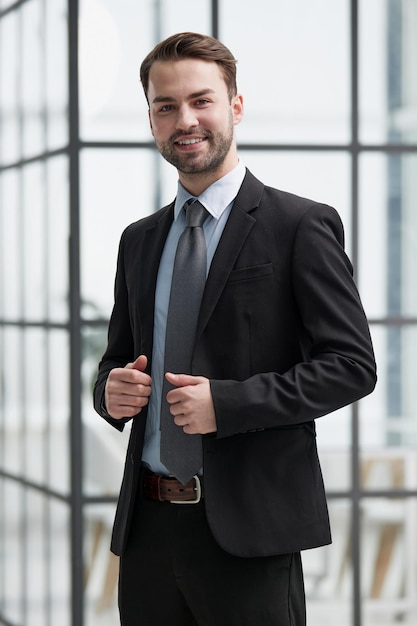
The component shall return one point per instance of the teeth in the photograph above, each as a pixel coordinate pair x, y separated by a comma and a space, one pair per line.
188, 142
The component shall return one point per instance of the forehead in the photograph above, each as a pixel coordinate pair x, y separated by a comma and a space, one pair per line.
182, 78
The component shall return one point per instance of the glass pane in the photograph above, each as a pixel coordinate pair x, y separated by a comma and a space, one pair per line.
34, 397
32, 78
14, 556
33, 242
37, 585
307, 174
389, 426
12, 400
388, 468
102, 567
58, 443
181, 16
388, 82
94, 341
293, 70
114, 39
59, 564
104, 456
388, 227
9, 81
56, 68
36, 567
116, 189
327, 573
57, 235
4, 4
3, 508
36, 405
11, 244
334, 445
35, 563
389, 561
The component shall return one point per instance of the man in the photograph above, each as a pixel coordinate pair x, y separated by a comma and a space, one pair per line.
281, 339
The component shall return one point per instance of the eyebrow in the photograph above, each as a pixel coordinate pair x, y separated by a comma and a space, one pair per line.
196, 94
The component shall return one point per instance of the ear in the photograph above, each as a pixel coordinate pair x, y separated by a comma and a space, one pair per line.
237, 108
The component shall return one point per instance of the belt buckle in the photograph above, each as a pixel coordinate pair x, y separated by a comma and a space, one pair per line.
197, 495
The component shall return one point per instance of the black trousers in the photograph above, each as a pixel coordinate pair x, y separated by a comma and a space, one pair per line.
173, 573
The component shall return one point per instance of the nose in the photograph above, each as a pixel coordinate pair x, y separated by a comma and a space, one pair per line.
186, 118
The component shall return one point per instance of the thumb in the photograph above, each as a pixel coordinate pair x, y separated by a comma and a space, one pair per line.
139, 364
182, 380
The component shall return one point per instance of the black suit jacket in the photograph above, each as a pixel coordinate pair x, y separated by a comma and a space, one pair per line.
283, 338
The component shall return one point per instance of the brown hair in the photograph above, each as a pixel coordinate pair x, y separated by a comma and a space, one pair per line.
192, 45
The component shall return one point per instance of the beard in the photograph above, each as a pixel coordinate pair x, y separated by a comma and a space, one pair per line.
219, 146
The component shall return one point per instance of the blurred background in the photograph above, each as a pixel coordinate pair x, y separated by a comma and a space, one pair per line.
330, 89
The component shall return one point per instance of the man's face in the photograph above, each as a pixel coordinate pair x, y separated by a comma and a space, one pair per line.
191, 116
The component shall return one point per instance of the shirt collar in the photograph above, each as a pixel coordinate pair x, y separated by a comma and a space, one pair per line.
218, 196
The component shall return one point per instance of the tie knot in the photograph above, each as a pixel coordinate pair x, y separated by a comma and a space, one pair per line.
195, 213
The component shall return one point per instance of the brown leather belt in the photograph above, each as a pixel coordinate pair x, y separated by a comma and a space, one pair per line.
169, 489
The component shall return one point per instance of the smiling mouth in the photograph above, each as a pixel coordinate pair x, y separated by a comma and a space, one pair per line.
190, 142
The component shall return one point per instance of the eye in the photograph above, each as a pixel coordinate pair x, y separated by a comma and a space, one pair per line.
202, 102
165, 108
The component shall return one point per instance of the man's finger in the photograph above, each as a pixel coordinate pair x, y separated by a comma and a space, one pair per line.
139, 364
182, 380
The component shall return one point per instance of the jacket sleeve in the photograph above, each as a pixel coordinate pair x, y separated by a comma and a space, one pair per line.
120, 348
338, 367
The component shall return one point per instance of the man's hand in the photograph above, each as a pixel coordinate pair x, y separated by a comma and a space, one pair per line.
128, 389
191, 403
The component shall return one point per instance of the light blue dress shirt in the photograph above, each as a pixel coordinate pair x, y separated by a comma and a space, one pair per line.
218, 200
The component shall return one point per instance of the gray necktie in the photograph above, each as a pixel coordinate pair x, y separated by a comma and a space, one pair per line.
182, 453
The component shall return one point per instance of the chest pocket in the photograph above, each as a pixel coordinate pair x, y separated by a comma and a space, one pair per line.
251, 273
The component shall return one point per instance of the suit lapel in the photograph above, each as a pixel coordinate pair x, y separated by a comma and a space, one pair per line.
238, 227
